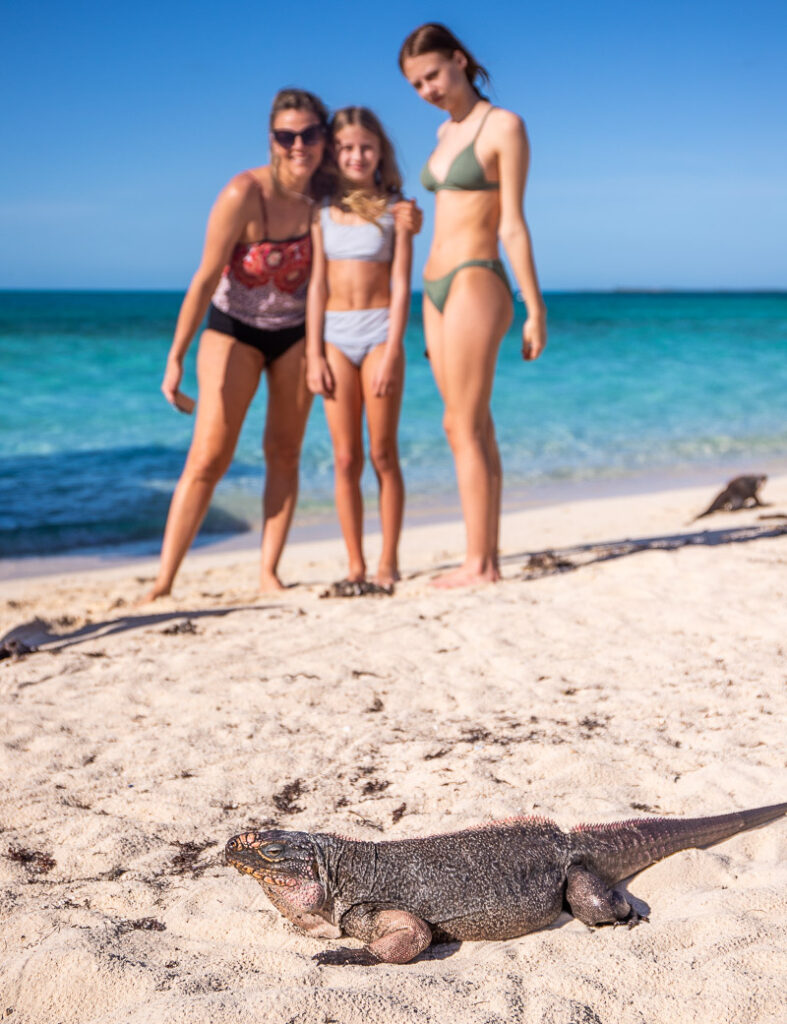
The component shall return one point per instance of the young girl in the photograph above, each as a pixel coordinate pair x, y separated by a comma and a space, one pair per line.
356, 314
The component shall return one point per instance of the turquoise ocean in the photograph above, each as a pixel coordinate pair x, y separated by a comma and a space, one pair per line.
631, 387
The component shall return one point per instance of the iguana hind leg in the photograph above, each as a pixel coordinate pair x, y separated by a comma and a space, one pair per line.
592, 902
391, 937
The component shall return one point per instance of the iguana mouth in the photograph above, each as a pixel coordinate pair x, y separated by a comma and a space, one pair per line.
284, 880
247, 869
262, 874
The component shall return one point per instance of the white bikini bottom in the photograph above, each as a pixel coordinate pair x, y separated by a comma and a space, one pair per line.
355, 332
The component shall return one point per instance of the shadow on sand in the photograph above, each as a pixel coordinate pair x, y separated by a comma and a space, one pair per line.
559, 560
38, 635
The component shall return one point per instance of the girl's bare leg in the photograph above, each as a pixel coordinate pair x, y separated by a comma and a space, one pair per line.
343, 413
382, 416
463, 349
289, 402
228, 373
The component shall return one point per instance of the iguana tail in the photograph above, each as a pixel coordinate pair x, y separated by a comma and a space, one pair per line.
615, 851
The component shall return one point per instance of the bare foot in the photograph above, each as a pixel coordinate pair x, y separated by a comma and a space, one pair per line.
465, 576
270, 583
387, 575
356, 573
155, 592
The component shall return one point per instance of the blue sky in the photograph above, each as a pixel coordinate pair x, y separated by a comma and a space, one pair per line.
658, 131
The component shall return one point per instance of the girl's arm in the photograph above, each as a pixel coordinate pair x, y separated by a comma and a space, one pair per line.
388, 370
319, 378
513, 160
225, 226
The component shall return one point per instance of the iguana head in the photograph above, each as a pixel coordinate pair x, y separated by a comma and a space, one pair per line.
281, 860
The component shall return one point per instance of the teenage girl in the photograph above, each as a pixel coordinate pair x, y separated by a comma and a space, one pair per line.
356, 313
477, 172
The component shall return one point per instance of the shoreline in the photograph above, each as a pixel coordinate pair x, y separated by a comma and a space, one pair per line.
419, 511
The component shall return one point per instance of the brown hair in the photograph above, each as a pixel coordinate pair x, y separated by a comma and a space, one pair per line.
324, 178
436, 38
388, 179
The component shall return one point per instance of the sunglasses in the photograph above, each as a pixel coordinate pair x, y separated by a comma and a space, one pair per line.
309, 136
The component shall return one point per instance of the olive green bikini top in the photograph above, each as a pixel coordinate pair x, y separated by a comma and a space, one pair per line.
465, 173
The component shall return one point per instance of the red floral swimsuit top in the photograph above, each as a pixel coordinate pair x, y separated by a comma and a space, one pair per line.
264, 284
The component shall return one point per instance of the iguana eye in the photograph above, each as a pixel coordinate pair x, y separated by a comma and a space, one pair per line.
272, 851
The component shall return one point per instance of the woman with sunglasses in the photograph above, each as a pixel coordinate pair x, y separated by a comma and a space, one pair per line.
252, 282
478, 172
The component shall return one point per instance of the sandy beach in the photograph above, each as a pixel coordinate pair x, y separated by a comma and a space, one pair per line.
641, 671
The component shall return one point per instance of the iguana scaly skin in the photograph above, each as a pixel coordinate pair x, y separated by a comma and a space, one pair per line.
495, 881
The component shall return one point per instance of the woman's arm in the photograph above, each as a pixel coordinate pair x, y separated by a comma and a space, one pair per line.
387, 371
225, 226
319, 378
409, 215
513, 160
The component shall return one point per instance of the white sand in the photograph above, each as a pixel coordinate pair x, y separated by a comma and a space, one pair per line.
650, 682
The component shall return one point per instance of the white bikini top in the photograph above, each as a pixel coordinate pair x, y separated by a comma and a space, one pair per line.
365, 241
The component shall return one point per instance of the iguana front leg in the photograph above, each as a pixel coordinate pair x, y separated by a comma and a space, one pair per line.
391, 937
592, 902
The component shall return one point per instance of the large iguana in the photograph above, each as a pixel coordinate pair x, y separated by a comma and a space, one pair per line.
495, 881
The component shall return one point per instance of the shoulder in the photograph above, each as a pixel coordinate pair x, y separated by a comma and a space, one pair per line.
236, 203
397, 202
508, 135
240, 188
506, 124
321, 210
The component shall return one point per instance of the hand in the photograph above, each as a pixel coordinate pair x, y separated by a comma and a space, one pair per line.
386, 375
319, 378
183, 403
534, 337
408, 216
173, 374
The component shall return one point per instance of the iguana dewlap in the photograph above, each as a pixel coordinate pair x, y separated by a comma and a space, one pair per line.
495, 881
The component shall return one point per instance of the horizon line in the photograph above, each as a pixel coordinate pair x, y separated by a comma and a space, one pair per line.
616, 290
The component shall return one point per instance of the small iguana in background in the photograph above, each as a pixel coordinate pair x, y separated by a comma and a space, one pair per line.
496, 881
742, 492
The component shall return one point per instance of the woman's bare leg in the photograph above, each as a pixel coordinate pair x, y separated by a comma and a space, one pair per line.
228, 373
463, 350
343, 413
289, 402
496, 470
382, 416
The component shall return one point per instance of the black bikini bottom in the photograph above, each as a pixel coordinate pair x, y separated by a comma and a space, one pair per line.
271, 344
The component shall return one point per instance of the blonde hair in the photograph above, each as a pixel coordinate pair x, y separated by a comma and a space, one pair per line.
388, 179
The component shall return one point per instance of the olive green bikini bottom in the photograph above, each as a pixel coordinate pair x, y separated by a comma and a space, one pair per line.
438, 289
